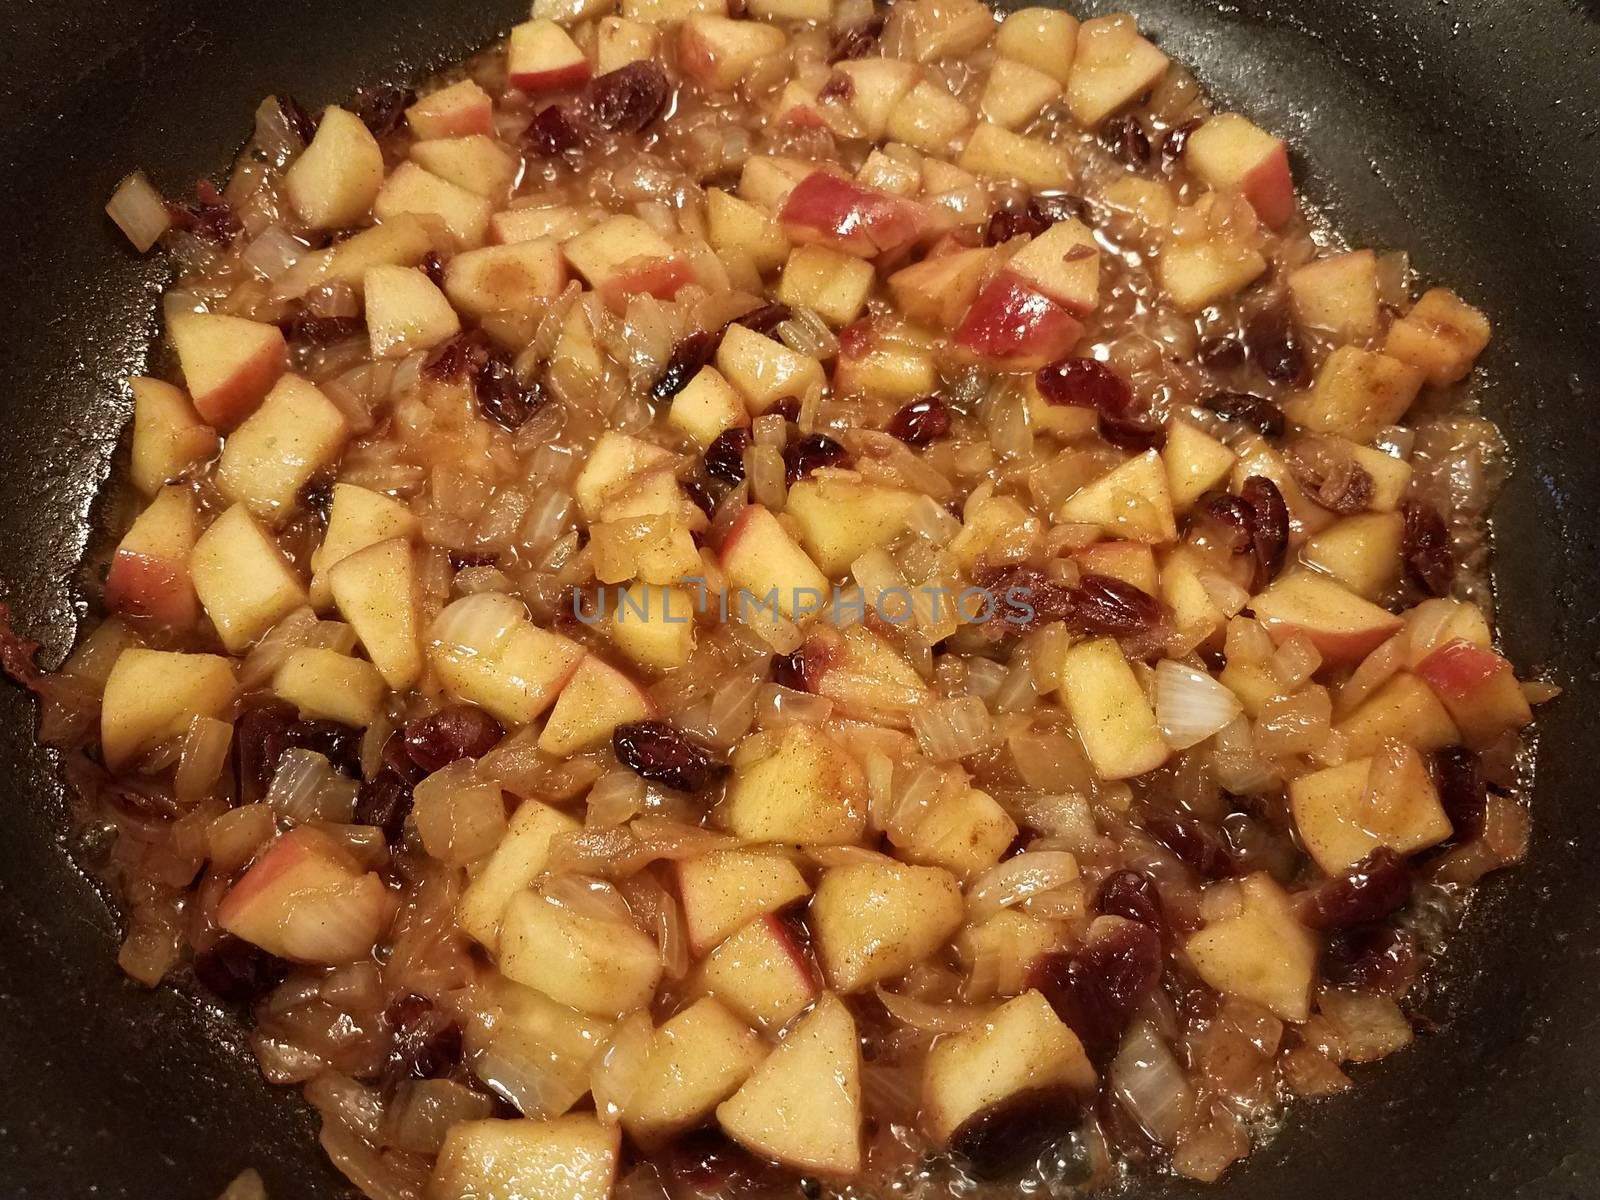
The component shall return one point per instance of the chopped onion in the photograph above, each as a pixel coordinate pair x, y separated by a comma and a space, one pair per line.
139, 211
273, 254
423, 1110
459, 816
1013, 881
932, 1018
616, 798
1382, 665
339, 1098
541, 1080
615, 1074
233, 839
1191, 705
480, 623
952, 729
1238, 767
305, 787
205, 753
591, 898
377, 1175
1147, 1079
246, 1185
335, 924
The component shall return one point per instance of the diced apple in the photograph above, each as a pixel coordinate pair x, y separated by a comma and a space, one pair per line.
336, 178
1113, 66
403, 240
1068, 422
877, 85
533, 1049
945, 28
802, 1106
1148, 203
614, 465
168, 436
1337, 295
997, 529
833, 285
1340, 624
570, 1158
504, 278
874, 921
820, 11
719, 52
571, 12
1357, 392
460, 110
1403, 710
1261, 953
1197, 272
1446, 620
761, 973
476, 162
885, 363
1362, 552
938, 291
1045, 39
866, 678
375, 590
1340, 824
929, 118
484, 650
735, 225
1114, 719
406, 312
768, 567
1131, 501
998, 153
1015, 93
598, 699
1441, 336
804, 789
516, 862
698, 1059
606, 967
1008, 946
670, 12
1131, 562
1229, 152
619, 41
831, 210
152, 696
707, 406
1258, 456
1479, 688
840, 518
357, 518
242, 578
1013, 326
727, 889
534, 221
767, 180
413, 189
328, 686
229, 363
149, 575
654, 626
1195, 461
1195, 614
541, 57
1063, 262
622, 257
265, 462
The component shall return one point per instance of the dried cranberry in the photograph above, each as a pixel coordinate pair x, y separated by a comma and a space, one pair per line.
724, 458
297, 118
382, 108
384, 802
1221, 353
765, 318
1223, 520
207, 216
1106, 606
502, 397
1126, 139
665, 754
555, 129
1426, 545
1330, 476
1094, 990
859, 40
319, 331
1377, 958
1033, 217
704, 1163
459, 358
1085, 383
1269, 525
629, 98
1023, 597
1132, 896
1255, 411
1173, 145
688, 357
1133, 433
1192, 841
427, 1042
788, 408
805, 454
1372, 889
433, 267
1462, 790
1008, 1137
449, 734
318, 497
921, 422
1275, 347
789, 670
266, 731
237, 971
700, 495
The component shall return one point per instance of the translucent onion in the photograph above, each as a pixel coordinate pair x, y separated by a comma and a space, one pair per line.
305, 787
615, 1073
1191, 705
423, 1110
952, 729
932, 1018
246, 1185
616, 798
1013, 881
205, 753
479, 623
235, 837
139, 211
1239, 769
377, 1175
1375, 670
274, 254
1147, 1078
592, 898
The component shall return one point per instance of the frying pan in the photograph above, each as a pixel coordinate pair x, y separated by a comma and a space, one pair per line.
1467, 131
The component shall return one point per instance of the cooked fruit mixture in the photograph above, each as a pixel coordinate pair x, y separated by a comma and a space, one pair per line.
824, 600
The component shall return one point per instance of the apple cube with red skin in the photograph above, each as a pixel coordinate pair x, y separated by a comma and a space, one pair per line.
598, 699
1340, 624
1337, 295
265, 462
306, 899
505, 278
243, 579
357, 518
718, 52
476, 162
516, 862
1045, 39
412, 189
152, 696
998, 153
726, 889
1403, 710
1229, 152
1130, 501
802, 1106
938, 291
541, 58
1259, 953
336, 178
696, 1061
761, 558
761, 973
605, 967
1063, 262
622, 257
804, 789
573, 1157
766, 180
873, 921
1339, 826
325, 685
460, 110
511, 667
1441, 336
375, 590
830, 210
1115, 721
149, 575
1020, 1049
229, 363
1479, 688
406, 312
1012, 326
1113, 66
1445, 620
168, 435
1357, 392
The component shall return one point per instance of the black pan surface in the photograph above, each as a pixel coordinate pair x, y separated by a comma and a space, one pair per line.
1465, 130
